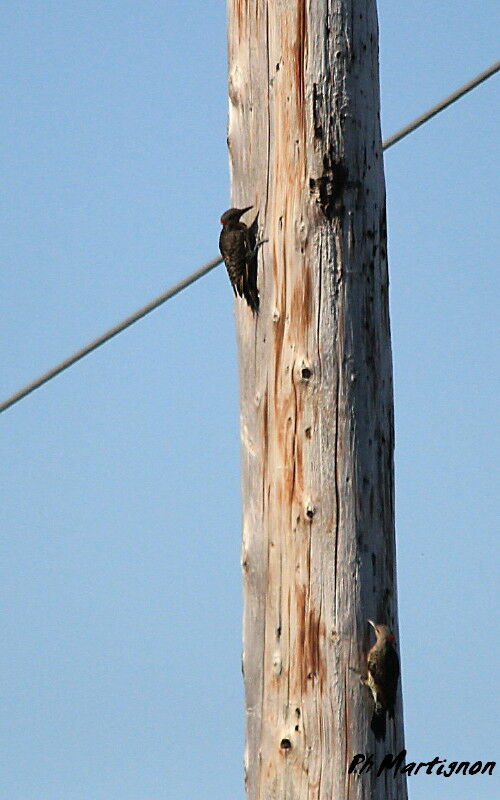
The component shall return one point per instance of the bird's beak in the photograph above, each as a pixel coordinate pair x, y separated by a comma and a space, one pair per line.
245, 209
372, 624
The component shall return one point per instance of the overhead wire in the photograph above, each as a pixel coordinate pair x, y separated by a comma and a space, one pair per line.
107, 335
210, 265
447, 101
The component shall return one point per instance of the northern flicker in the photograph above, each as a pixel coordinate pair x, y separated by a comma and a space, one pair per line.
383, 674
238, 247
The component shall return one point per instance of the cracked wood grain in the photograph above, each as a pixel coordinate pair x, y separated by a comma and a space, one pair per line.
317, 441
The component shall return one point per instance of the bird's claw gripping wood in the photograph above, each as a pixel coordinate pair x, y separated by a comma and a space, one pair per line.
258, 244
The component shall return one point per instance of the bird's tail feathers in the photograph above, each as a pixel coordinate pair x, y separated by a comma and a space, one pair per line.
252, 297
378, 722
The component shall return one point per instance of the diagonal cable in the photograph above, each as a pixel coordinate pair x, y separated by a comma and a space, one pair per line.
114, 331
447, 101
199, 273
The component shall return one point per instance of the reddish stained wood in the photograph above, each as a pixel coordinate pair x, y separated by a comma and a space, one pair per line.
302, 300
298, 50
305, 149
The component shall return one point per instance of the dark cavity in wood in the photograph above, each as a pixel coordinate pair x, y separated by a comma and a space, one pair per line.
330, 186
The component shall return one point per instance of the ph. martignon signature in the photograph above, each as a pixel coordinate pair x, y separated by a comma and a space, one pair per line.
362, 763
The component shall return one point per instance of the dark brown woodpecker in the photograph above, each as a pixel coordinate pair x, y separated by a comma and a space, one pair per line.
238, 247
383, 674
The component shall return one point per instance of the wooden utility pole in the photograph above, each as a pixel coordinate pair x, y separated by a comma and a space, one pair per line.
316, 394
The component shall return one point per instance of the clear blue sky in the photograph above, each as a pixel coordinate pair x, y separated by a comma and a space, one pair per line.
120, 580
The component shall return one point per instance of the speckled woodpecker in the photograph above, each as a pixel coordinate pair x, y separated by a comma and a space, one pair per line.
238, 247
383, 674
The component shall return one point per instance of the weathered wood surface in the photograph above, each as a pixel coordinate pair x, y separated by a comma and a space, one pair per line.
317, 435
